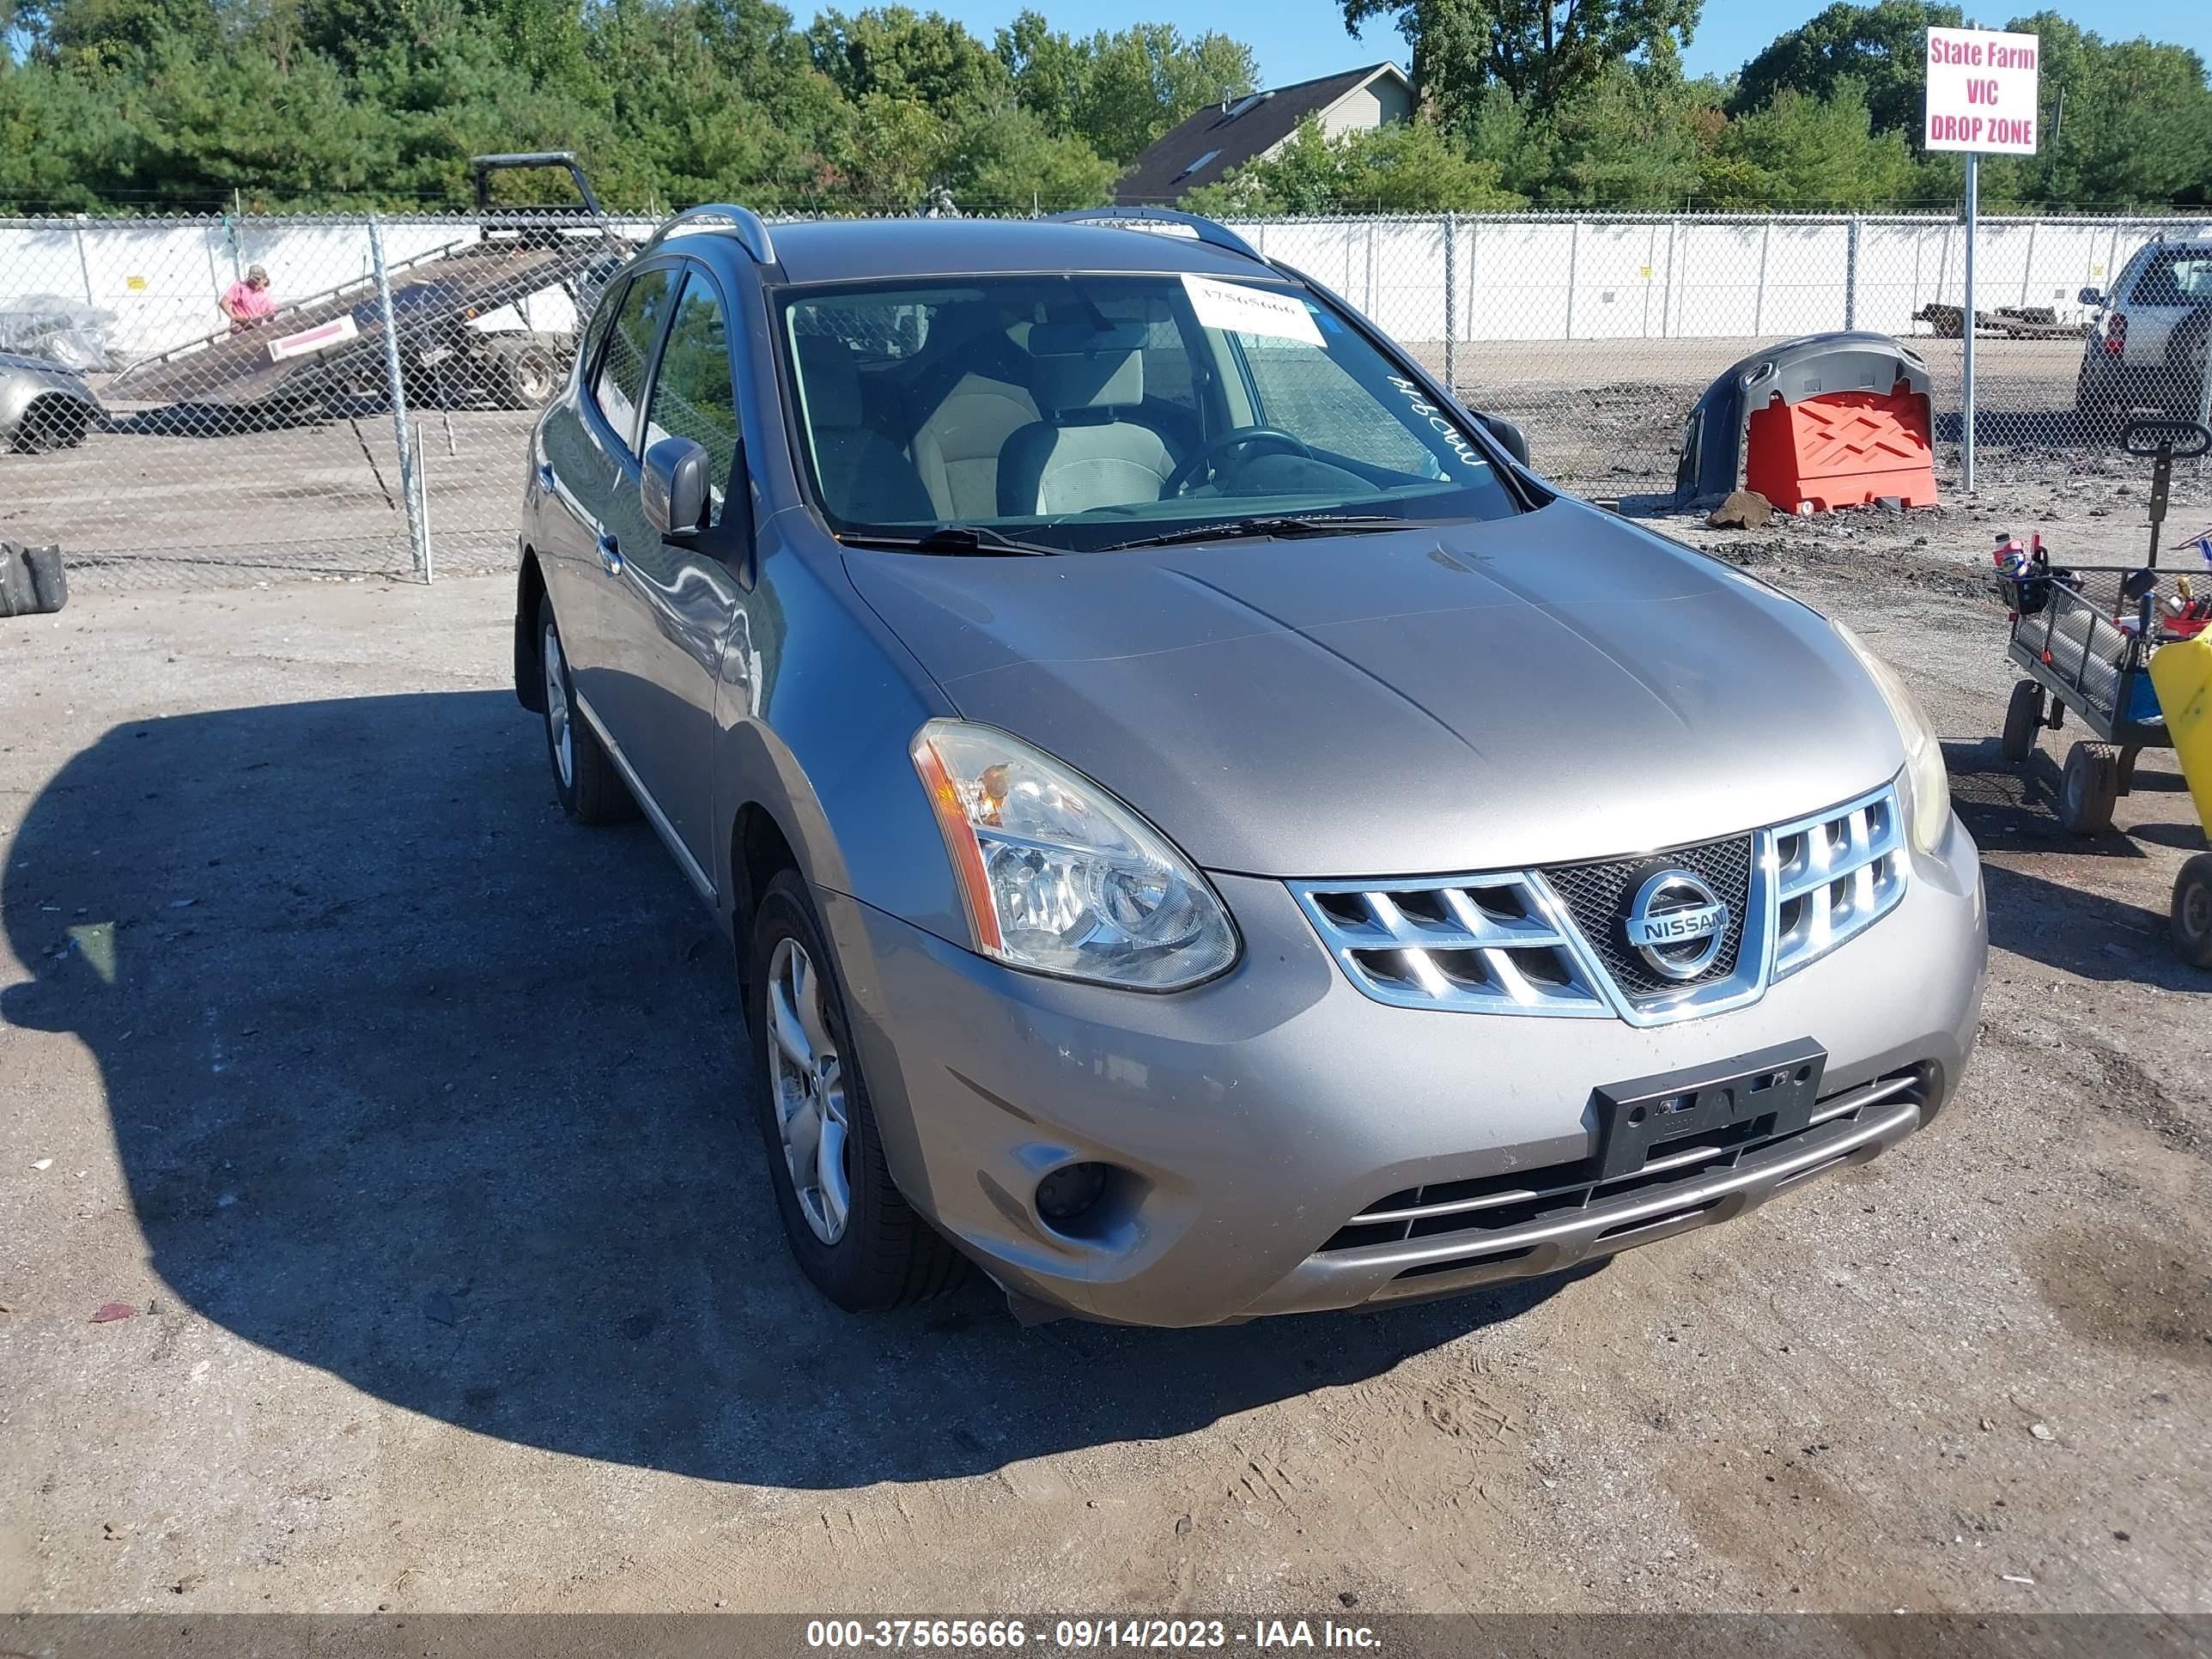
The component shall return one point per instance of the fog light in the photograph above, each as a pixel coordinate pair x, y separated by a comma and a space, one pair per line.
1069, 1191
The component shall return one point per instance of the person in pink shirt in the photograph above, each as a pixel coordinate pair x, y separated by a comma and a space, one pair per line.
248, 304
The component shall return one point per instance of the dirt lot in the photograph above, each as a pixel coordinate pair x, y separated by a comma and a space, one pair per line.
405, 1118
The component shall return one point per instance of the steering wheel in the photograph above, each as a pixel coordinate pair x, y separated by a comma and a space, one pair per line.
1203, 465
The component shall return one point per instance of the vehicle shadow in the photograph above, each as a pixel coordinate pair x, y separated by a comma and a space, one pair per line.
2012, 810
216, 421
416, 1083
2009, 806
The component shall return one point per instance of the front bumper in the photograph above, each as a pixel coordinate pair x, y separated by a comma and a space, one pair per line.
1253, 1118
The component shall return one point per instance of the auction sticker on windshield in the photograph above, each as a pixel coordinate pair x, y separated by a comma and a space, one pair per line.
1241, 310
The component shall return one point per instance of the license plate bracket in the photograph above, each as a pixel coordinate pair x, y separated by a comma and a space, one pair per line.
1638, 1118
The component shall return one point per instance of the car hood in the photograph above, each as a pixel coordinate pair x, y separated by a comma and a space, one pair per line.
1555, 686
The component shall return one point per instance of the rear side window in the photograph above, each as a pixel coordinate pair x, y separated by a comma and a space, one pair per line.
694, 395
2177, 279
620, 382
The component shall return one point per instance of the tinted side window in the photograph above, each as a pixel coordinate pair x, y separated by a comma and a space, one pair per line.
620, 382
595, 332
694, 395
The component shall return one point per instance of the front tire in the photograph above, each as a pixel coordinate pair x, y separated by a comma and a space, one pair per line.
2191, 918
2023, 719
853, 1232
583, 775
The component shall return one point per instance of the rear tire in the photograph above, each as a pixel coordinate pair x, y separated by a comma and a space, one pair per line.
529, 378
2187, 368
2023, 721
2192, 917
2088, 788
583, 775
52, 422
853, 1232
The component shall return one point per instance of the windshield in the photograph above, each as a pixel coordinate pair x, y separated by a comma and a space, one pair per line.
1084, 412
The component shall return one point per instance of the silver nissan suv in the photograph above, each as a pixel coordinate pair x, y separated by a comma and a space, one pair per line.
1205, 831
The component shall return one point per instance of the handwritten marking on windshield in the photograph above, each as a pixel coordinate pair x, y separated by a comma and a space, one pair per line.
1450, 434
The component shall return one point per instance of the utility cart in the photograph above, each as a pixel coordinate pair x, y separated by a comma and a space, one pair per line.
2083, 636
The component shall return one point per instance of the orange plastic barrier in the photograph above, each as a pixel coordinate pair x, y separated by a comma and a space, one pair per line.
1841, 449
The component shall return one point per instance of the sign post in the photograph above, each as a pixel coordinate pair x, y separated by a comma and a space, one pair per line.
1973, 228
1983, 86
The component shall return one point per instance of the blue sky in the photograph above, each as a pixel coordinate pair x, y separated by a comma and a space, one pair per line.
1297, 39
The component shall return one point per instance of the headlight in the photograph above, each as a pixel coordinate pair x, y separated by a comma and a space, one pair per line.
1927, 784
1059, 876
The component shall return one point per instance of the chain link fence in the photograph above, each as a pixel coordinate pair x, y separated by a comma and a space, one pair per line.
243, 399
374, 423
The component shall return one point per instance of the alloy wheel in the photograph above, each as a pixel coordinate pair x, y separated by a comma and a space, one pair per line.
808, 1080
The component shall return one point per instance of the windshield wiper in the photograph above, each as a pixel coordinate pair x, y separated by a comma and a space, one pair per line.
1309, 524
954, 538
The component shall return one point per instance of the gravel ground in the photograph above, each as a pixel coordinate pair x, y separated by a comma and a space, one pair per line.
404, 1119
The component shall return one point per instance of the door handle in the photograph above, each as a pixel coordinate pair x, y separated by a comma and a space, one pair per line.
611, 560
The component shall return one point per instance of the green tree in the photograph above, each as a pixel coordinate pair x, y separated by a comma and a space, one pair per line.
1635, 137
1883, 47
902, 53
1408, 166
2136, 125
1002, 158
1540, 51
1119, 92
1802, 152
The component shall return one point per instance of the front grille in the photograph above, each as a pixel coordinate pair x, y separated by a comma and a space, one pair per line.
1492, 944
1487, 1205
1835, 876
1555, 941
1598, 896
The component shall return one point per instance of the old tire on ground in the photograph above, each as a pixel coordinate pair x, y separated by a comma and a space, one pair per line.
2192, 917
529, 377
2087, 788
2023, 719
583, 775
853, 1232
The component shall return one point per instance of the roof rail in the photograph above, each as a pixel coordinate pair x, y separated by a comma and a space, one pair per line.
751, 230
1217, 235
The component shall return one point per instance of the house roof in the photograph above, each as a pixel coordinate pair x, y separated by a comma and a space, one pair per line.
1211, 142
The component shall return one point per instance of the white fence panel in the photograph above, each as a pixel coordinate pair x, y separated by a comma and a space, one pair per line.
1612, 264
1805, 287
1518, 282
1717, 291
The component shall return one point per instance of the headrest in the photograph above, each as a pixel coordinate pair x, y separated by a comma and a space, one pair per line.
1079, 366
829, 375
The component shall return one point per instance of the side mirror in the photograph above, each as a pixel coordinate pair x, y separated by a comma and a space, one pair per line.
2091, 296
674, 489
1515, 440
